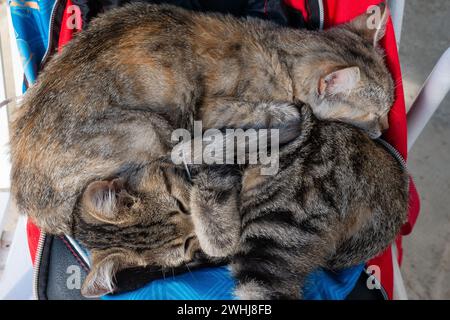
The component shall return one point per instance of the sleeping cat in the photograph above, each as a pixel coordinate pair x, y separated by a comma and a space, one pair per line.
108, 102
338, 199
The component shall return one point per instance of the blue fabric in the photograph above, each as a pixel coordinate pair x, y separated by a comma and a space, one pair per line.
327, 285
217, 284
31, 20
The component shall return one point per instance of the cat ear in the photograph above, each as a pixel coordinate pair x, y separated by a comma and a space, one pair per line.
339, 81
100, 280
100, 199
372, 24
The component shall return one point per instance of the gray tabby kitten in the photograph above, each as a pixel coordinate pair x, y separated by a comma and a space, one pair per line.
108, 102
338, 199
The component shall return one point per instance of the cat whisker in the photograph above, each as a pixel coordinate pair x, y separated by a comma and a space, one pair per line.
189, 270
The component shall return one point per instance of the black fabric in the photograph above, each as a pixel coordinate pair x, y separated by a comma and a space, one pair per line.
272, 10
59, 261
59, 273
362, 292
235, 7
88, 9
295, 18
313, 9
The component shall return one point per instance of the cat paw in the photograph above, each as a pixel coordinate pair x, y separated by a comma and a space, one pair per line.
252, 290
218, 178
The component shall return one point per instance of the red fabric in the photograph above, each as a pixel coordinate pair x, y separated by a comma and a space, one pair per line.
336, 12
71, 23
414, 208
33, 234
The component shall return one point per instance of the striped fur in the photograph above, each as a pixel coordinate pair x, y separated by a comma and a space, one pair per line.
109, 101
338, 200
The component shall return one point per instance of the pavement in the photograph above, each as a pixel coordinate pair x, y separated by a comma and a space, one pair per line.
426, 264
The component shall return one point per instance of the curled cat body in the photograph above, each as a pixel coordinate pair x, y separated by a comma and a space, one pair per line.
109, 101
338, 199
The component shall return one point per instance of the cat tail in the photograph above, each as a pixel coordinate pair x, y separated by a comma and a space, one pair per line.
276, 254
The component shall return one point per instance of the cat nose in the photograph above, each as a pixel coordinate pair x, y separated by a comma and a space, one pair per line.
384, 123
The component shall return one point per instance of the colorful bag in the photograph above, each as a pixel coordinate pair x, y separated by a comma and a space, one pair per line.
43, 27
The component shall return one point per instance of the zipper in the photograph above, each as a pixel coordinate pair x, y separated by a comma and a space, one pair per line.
37, 263
79, 250
321, 14
50, 34
395, 153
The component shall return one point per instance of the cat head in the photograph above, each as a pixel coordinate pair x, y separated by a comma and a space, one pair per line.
141, 220
351, 82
